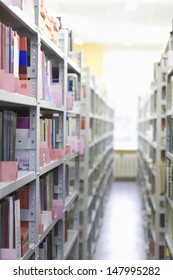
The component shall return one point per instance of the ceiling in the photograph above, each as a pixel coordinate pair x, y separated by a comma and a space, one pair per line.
117, 23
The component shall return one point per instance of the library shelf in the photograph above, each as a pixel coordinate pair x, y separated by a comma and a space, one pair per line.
169, 244
13, 16
73, 66
99, 160
72, 157
48, 229
48, 167
50, 48
153, 233
24, 177
169, 202
149, 141
48, 174
169, 155
72, 238
152, 159
101, 118
103, 137
14, 99
29, 253
97, 130
90, 199
70, 199
170, 71
153, 202
49, 106
73, 112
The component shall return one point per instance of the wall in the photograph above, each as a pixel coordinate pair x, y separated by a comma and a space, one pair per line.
127, 73
92, 57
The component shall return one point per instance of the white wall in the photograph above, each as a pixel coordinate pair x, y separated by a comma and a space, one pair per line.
127, 74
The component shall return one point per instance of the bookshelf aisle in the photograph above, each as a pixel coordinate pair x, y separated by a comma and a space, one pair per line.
96, 165
155, 158
40, 135
151, 160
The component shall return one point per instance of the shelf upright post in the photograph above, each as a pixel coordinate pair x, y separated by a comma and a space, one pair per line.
61, 168
35, 70
59, 228
86, 78
76, 211
34, 74
160, 134
77, 160
37, 12
169, 152
158, 151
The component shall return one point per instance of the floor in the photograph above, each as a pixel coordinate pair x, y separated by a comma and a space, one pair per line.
121, 235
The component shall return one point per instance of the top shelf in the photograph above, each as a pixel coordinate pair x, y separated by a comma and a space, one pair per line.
72, 67
14, 17
50, 49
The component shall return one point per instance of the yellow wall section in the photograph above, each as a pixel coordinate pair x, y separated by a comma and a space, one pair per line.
92, 57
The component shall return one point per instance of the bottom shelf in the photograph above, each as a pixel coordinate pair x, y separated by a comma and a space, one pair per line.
72, 237
30, 252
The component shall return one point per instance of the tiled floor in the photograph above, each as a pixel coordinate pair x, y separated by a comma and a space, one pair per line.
121, 235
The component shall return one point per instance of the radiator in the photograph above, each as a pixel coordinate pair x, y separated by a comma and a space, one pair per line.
125, 166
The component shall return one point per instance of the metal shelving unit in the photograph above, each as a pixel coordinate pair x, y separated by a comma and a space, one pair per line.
63, 247
169, 156
152, 160
96, 166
